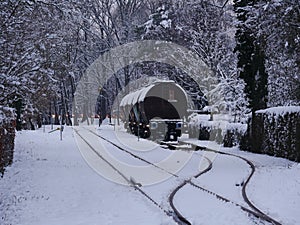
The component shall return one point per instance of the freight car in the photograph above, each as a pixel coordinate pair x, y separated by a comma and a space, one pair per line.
157, 111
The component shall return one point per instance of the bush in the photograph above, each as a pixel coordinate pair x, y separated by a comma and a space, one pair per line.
234, 134
228, 134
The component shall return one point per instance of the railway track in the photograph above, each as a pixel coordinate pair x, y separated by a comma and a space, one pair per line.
255, 211
128, 180
175, 214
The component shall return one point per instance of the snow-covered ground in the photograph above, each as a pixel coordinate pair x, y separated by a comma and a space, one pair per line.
50, 183
58, 182
275, 186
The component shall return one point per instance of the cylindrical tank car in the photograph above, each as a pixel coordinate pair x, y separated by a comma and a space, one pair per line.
156, 111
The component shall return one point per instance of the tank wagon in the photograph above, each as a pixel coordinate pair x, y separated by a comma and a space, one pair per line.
156, 111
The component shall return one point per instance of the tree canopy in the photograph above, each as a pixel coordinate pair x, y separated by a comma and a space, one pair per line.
251, 46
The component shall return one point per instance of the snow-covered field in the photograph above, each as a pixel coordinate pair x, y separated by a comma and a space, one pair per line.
50, 182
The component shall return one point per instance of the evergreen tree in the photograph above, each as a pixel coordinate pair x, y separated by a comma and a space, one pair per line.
251, 56
279, 27
251, 65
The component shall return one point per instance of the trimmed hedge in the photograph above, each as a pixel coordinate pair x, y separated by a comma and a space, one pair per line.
228, 134
7, 137
275, 131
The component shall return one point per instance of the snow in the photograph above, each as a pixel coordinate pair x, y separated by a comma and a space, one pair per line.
227, 174
53, 182
50, 183
242, 128
166, 23
280, 184
203, 121
139, 95
134, 97
274, 187
281, 110
204, 207
6, 113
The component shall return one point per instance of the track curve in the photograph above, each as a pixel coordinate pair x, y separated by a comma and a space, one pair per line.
257, 212
129, 181
176, 215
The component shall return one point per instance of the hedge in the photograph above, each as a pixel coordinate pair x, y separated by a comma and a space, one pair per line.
275, 131
228, 134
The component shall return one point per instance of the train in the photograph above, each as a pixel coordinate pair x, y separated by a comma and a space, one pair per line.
157, 111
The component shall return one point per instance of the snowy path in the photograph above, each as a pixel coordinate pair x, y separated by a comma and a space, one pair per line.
51, 183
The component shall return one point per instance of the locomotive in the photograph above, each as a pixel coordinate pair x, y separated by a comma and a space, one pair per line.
157, 111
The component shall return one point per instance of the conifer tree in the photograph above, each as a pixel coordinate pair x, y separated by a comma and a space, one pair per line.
251, 66
251, 57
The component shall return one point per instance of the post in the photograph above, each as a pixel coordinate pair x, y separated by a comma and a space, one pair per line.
44, 121
117, 98
138, 130
61, 126
115, 123
118, 112
52, 120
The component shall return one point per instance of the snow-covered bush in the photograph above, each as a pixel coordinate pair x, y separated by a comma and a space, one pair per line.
234, 134
276, 131
7, 137
221, 131
194, 125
